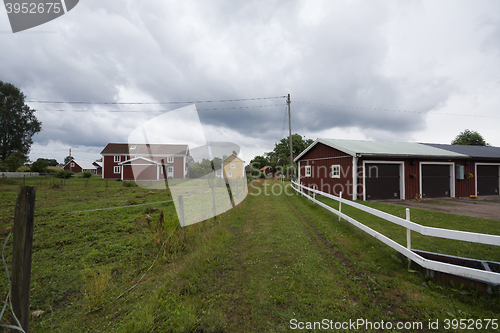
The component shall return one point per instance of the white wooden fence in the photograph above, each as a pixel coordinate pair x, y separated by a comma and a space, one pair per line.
19, 174
471, 273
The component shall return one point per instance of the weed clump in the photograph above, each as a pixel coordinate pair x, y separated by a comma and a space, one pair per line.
86, 174
64, 174
95, 286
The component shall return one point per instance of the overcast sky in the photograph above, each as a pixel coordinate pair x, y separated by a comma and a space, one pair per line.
376, 70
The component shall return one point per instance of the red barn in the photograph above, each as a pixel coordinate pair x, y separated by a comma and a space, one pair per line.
78, 166
370, 170
144, 162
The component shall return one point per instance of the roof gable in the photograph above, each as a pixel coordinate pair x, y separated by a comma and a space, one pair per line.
85, 165
139, 159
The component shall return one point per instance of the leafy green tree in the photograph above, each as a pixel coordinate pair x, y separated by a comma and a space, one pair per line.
40, 165
258, 162
18, 123
67, 159
282, 149
469, 138
204, 167
14, 161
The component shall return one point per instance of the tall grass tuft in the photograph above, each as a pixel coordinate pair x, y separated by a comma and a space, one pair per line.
96, 283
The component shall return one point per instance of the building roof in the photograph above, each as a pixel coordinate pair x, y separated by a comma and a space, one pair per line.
471, 151
85, 165
142, 149
382, 148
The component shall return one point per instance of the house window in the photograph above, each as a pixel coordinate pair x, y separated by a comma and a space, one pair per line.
336, 171
117, 169
233, 165
308, 171
229, 173
133, 147
170, 159
117, 158
72, 164
170, 169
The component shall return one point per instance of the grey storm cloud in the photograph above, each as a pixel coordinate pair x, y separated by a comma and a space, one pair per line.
344, 63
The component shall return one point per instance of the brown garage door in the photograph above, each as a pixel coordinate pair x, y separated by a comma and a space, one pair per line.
487, 179
382, 181
435, 180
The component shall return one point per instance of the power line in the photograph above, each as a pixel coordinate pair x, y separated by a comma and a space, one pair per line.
157, 103
152, 111
395, 110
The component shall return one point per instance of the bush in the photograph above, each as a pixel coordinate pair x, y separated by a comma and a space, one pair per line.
86, 174
40, 165
65, 174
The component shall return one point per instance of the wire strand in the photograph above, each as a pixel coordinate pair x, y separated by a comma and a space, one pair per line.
157, 103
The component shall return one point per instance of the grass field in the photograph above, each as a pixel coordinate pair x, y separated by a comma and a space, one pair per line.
272, 259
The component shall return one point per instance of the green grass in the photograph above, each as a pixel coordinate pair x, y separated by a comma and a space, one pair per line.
269, 260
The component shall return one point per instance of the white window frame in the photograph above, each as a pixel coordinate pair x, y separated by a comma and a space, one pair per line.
117, 169
233, 165
307, 171
229, 173
118, 158
335, 171
72, 164
170, 159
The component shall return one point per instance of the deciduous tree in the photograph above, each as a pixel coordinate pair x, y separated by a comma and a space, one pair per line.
470, 138
18, 123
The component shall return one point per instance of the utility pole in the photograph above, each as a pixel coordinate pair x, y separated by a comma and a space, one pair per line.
290, 137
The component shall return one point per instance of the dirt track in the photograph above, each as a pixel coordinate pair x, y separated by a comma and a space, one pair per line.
487, 207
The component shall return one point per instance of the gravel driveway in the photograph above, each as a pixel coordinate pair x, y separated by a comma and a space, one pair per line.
487, 207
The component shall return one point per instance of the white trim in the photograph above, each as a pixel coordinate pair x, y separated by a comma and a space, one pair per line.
232, 165
337, 174
402, 190
299, 173
452, 176
307, 168
354, 178
475, 173
119, 169
168, 172
148, 161
184, 166
230, 174
119, 158
170, 159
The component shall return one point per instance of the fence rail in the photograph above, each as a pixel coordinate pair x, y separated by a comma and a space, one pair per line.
471, 273
19, 174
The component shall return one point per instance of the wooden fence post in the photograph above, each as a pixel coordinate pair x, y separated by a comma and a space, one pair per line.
22, 246
340, 204
181, 217
408, 235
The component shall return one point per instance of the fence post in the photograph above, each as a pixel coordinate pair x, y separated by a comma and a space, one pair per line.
340, 204
211, 182
181, 217
408, 235
22, 246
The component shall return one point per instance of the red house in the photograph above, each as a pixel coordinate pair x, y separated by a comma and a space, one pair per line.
78, 166
371, 170
144, 162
